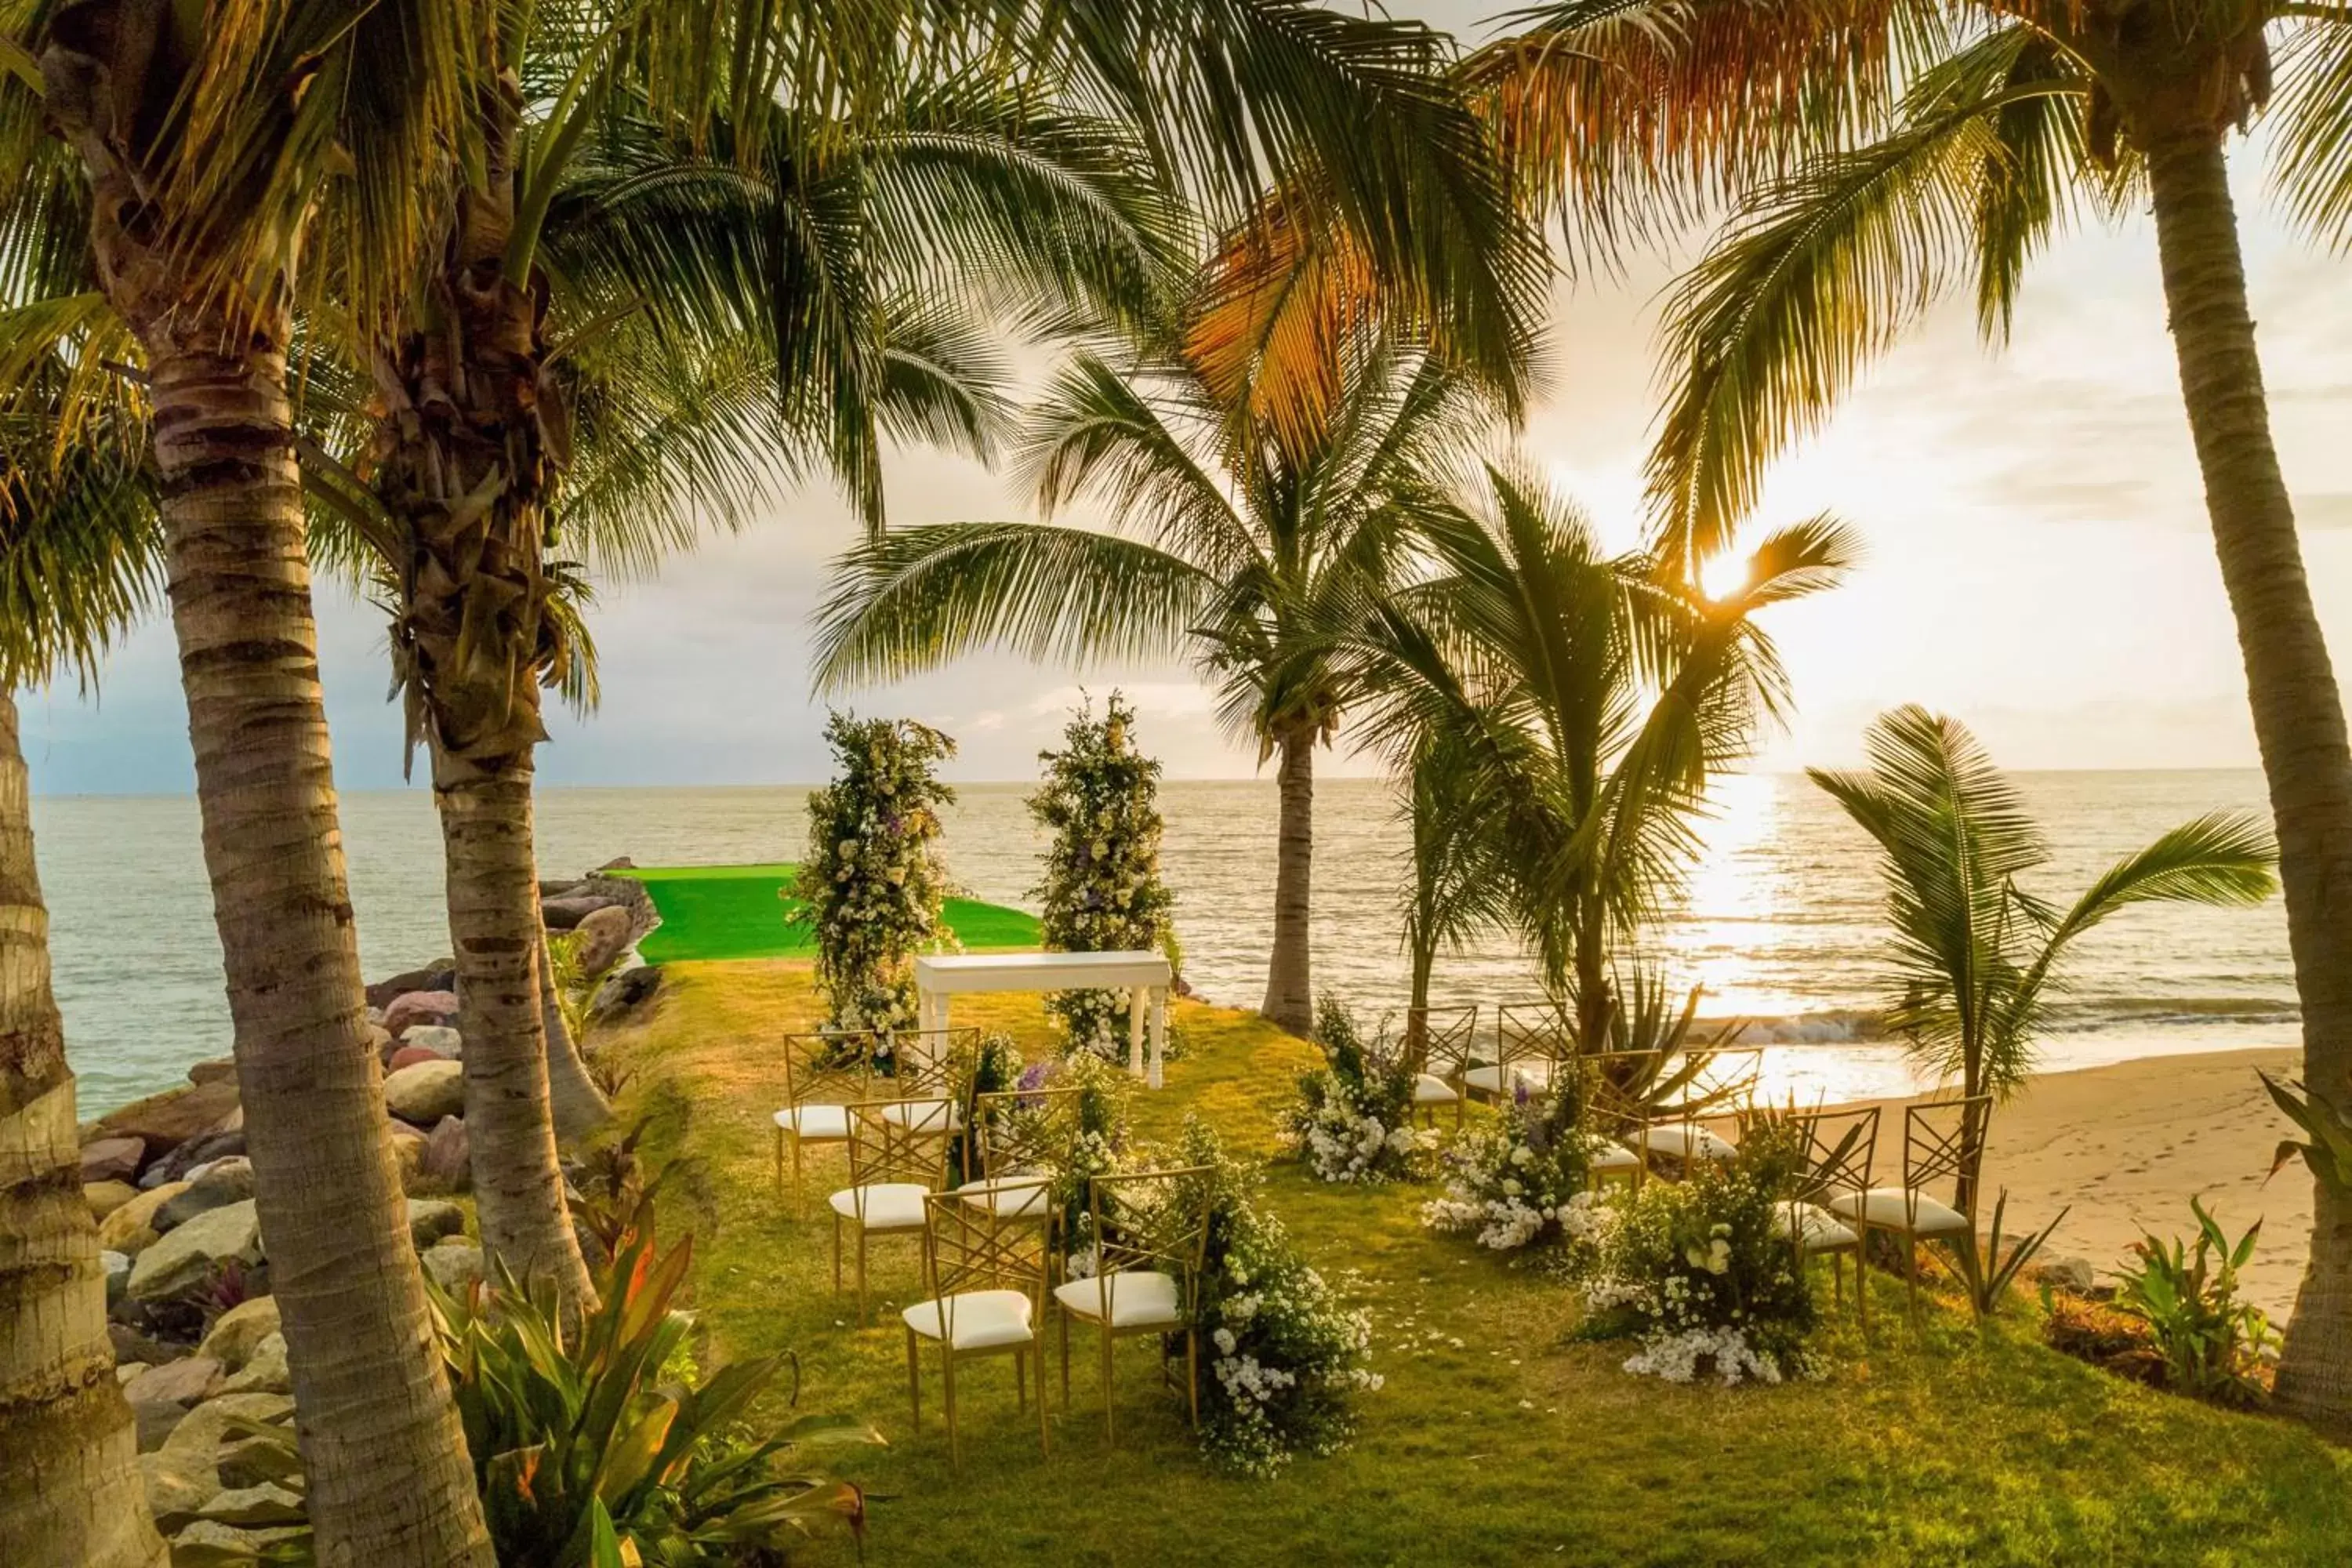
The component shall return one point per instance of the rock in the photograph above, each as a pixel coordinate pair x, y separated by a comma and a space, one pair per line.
209, 1541
448, 1154
131, 1227
617, 863
439, 1040
409, 1055
155, 1423
380, 1041
430, 1219
214, 1070
112, 1159
132, 1348
625, 989
117, 1266
196, 1251
225, 1138
265, 1372
408, 1151
227, 1180
239, 1330
266, 1504
603, 935
181, 1382
179, 1482
105, 1197
205, 1431
2074, 1274
424, 1092
566, 913
250, 1461
453, 1263
165, 1121
419, 1007
432, 977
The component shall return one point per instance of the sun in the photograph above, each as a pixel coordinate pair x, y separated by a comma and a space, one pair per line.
1721, 577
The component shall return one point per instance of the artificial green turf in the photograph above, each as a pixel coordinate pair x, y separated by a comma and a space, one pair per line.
737, 912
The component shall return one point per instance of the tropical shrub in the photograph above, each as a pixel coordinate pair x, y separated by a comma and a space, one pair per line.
1524, 1180
1353, 1119
871, 886
1701, 1273
1988, 1273
2211, 1341
1102, 892
1284, 1358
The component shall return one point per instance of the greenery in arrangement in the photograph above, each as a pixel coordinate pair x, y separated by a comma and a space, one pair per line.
1102, 892
1095, 1136
1353, 1119
1974, 959
2208, 1340
1523, 1179
1701, 1272
872, 884
1284, 1358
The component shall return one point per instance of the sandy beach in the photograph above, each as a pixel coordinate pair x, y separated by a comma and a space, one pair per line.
2127, 1146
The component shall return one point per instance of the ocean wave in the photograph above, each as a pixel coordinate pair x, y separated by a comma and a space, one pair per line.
1862, 1025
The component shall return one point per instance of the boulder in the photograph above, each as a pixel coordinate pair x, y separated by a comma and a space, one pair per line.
263, 1505
625, 989
419, 1007
439, 1040
2074, 1274
208, 1540
409, 1055
165, 1121
225, 1138
205, 1431
132, 1348
181, 1382
179, 1482
453, 1263
130, 1228
117, 1268
430, 1219
424, 1092
432, 977
112, 1159
196, 1251
566, 913
617, 863
214, 1070
225, 1180
239, 1331
448, 1155
105, 1197
407, 1150
250, 1461
154, 1423
265, 1372
380, 1041
603, 935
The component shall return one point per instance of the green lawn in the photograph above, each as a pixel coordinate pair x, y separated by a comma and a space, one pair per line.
736, 911
1514, 1446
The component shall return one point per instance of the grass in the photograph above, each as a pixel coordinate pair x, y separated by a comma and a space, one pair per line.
1497, 1439
737, 912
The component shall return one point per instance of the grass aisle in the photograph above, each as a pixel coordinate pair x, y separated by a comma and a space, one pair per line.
1496, 1440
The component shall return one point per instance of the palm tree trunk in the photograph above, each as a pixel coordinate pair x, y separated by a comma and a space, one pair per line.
389, 1479
70, 1491
1289, 987
2298, 711
579, 1105
493, 889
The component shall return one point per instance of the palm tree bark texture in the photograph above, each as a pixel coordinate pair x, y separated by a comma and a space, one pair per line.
466, 459
71, 1491
1289, 984
389, 1482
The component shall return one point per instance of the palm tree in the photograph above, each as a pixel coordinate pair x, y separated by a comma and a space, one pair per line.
1883, 151
78, 561
1591, 698
1238, 546
1975, 959
1455, 893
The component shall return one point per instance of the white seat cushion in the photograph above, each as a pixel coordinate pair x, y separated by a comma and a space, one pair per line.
1816, 1229
1139, 1298
1689, 1142
815, 1123
1533, 1071
925, 1115
1890, 1208
882, 1205
981, 1319
1027, 1196
1428, 1089
1610, 1158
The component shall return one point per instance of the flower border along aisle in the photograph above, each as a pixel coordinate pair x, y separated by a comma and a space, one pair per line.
1102, 892
1525, 1180
1353, 1119
871, 887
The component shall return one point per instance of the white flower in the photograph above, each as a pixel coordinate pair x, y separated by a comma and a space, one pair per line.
1225, 1342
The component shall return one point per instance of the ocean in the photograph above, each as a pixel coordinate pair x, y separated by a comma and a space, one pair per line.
1781, 924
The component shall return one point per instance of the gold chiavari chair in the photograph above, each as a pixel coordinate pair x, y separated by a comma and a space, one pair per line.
1839, 1148
930, 1070
826, 1072
1937, 1138
1439, 1046
1149, 1231
894, 1164
988, 1273
1531, 1039
1616, 1114
1018, 1135
1696, 1100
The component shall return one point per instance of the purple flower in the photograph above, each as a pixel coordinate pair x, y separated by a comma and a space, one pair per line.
1520, 1094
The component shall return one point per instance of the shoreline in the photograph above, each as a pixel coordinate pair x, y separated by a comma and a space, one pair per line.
2123, 1147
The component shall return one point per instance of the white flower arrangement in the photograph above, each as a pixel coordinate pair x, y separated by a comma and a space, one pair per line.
1521, 1182
1352, 1121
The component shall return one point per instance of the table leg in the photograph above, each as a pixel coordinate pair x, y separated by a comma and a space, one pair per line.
1159, 1031
1134, 1031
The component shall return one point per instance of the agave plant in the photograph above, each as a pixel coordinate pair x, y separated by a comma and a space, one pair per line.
1985, 1270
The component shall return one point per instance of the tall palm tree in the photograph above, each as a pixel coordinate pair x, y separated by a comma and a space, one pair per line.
77, 559
1236, 546
1455, 889
1975, 960
1883, 151
1591, 698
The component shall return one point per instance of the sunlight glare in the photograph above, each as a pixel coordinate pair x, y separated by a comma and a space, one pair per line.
1721, 577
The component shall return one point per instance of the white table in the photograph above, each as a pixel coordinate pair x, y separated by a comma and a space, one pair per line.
1144, 977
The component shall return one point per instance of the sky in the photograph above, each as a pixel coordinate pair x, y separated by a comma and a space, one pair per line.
2038, 561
